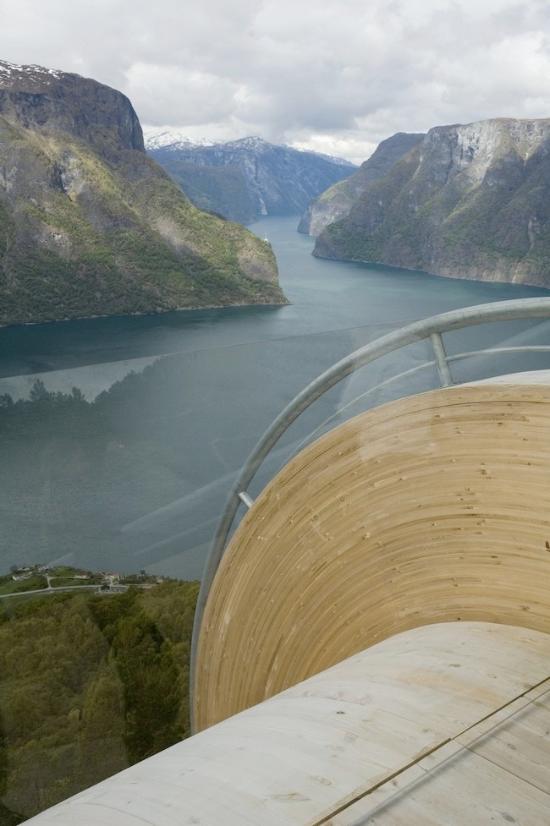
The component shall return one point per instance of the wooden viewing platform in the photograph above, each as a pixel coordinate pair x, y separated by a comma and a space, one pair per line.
432, 508
443, 724
373, 645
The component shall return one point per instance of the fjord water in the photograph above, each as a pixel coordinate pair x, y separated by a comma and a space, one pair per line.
131, 471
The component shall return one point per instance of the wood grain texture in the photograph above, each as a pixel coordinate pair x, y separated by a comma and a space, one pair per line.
433, 508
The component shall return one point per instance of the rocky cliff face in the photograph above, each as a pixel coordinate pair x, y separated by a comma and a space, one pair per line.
469, 201
90, 225
336, 202
43, 99
247, 178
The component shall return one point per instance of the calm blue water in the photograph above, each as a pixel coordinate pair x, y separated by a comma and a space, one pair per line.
133, 475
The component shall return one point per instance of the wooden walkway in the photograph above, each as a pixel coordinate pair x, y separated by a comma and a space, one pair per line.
443, 725
498, 771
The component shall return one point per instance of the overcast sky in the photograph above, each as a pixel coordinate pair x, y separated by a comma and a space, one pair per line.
332, 75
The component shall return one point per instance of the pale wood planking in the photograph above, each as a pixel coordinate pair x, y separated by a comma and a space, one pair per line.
453, 786
519, 744
432, 508
301, 756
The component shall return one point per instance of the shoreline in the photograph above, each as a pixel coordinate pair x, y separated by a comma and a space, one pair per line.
66, 319
402, 268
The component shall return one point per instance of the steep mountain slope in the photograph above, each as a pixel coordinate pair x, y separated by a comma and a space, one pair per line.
90, 225
469, 202
222, 190
337, 201
247, 178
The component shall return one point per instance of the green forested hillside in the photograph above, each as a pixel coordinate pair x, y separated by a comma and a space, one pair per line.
89, 225
88, 686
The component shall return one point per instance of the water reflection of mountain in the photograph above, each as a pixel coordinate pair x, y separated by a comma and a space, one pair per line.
137, 478
78, 479
139, 475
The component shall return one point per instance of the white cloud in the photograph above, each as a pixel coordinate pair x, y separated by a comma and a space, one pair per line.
189, 95
343, 145
337, 75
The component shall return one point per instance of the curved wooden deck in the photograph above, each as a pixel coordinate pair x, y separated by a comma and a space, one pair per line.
443, 724
433, 508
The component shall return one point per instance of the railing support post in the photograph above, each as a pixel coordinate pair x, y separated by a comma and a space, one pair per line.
246, 499
441, 359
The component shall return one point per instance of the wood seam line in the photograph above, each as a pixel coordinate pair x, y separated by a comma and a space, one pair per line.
471, 746
425, 754
508, 771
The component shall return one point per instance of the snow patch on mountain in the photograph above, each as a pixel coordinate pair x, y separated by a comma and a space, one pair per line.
176, 140
9, 71
171, 139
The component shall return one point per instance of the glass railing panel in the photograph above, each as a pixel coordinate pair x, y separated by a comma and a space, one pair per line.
514, 338
390, 377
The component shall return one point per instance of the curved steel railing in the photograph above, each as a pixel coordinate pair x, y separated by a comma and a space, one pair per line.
431, 328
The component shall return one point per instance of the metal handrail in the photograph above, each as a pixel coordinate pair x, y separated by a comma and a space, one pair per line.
430, 328
524, 348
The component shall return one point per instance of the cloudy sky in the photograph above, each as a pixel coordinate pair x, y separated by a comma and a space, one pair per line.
332, 75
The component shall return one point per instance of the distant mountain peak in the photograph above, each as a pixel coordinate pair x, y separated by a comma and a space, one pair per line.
251, 142
247, 177
176, 139
254, 143
171, 139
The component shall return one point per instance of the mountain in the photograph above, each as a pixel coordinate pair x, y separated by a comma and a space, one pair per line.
468, 201
337, 201
160, 139
244, 179
89, 224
